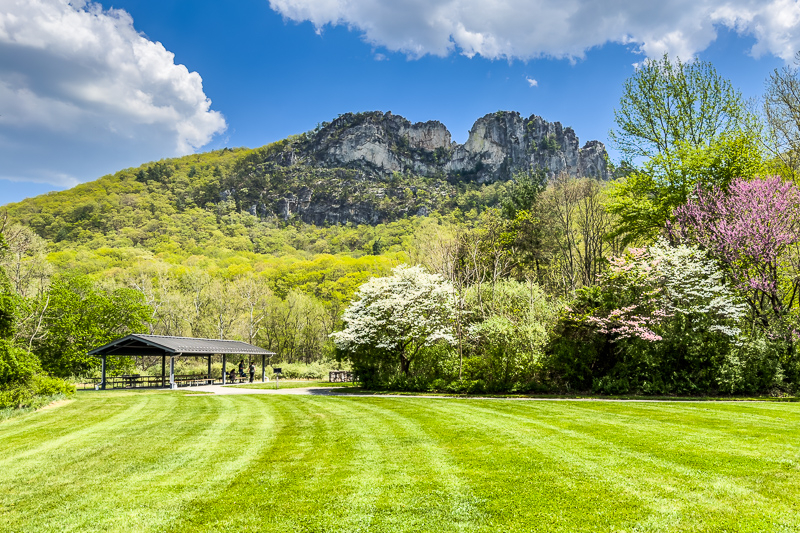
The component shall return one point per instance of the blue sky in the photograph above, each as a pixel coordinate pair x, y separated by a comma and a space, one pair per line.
101, 94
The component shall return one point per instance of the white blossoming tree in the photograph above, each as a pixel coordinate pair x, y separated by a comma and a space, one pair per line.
661, 284
392, 318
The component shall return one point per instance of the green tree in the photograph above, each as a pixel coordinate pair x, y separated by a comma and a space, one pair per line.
21, 378
644, 200
6, 299
81, 317
523, 192
782, 110
506, 346
678, 124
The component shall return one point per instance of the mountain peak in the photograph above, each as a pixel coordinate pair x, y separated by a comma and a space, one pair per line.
500, 144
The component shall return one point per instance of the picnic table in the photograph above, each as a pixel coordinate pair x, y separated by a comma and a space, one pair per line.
340, 376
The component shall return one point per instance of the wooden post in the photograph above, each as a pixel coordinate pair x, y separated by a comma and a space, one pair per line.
103, 382
171, 372
263, 369
209, 367
224, 362
163, 370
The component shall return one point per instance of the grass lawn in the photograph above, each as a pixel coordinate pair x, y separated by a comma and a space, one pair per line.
167, 461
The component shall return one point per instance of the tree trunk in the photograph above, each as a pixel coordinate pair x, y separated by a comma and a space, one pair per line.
405, 364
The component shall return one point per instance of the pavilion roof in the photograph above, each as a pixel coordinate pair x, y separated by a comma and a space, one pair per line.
141, 344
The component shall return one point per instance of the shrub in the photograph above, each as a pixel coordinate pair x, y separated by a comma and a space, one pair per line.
23, 394
16, 364
506, 344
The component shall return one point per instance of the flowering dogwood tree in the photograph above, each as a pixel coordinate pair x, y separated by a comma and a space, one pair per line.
754, 229
397, 315
661, 282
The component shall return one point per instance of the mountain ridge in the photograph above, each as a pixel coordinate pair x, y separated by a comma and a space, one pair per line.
375, 147
365, 168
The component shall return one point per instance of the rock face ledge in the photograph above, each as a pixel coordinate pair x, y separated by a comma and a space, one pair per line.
499, 145
369, 168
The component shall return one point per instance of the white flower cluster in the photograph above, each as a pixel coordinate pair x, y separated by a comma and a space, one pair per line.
399, 313
693, 284
669, 281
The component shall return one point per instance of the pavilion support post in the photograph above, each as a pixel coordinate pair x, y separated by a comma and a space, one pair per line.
209, 367
163, 370
171, 372
103, 371
224, 361
263, 369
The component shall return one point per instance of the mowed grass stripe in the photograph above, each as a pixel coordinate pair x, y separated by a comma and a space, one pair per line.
424, 488
288, 463
520, 474
309, 463
166, 454
668, 486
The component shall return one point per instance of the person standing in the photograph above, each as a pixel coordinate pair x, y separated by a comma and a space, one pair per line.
252, 371
241, 368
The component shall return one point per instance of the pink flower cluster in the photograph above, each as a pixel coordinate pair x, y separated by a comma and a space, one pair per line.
623, 324
752, 228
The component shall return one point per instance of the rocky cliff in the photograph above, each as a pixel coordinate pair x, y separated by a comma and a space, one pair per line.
374, 167
499, 145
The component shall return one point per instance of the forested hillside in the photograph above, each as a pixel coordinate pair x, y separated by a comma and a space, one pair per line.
183, 235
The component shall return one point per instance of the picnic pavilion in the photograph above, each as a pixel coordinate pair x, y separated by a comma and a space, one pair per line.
138, 345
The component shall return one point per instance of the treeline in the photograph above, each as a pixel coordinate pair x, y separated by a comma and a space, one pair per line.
288, 306
679, 277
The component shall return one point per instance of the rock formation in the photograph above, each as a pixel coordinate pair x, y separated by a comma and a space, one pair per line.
499, 145
350, 169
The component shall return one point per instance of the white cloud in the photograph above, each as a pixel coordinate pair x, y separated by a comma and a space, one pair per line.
524, 29
531, 82
80, 84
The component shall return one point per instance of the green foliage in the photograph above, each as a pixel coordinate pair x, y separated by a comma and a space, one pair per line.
81, 317
644, 200
26, 393
549, 143
755, 366
666, 103
691, 127
16, 364
506, 344
7, 303
524, 192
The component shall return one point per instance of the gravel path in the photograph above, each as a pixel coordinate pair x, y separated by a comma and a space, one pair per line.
228, 389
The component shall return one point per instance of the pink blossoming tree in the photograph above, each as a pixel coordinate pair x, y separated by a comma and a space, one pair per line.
754, 230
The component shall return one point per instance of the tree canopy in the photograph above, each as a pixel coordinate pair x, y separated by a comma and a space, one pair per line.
678, 125
395, 316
